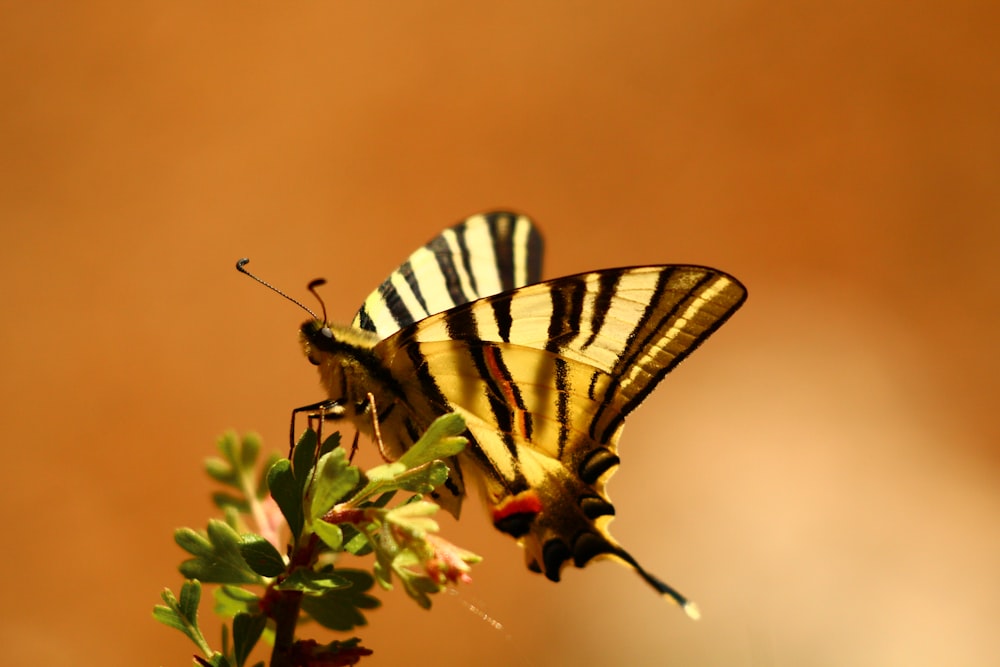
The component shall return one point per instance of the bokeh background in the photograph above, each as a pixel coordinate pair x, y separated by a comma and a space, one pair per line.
822, 477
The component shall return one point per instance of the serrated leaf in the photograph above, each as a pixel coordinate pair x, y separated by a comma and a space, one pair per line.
226, 444
333, 614
440, 441
261, 556
232, 600
334, 480
192, 541
171, 614
223, 538
246, 632
415, 518
223, 563
169, 617
190, 599
419, 587
385, 472
287, 494
315, 583
231, 516
222, 500
237, 593
182, 614
424, 478
340, 609
221, 471
249, 449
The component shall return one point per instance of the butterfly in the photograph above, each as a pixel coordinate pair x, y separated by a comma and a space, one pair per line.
544, 374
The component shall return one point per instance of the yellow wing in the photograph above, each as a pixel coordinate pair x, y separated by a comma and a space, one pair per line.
545, 376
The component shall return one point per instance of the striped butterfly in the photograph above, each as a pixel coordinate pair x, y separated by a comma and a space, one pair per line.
544, 374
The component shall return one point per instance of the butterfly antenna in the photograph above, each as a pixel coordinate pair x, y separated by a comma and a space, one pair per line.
322, 304
241, 267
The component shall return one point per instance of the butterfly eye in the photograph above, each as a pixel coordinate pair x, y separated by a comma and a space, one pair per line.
327, 333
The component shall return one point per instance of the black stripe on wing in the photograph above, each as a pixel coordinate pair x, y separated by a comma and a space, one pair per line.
483, 255
672, 308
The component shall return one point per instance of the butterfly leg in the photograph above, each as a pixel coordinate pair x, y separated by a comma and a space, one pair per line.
354, 447
318, 411
376, 431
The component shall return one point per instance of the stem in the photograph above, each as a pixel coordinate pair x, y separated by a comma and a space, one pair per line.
285, 613
285, 608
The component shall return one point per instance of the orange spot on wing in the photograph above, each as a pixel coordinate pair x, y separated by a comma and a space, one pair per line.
491, 355
526, 502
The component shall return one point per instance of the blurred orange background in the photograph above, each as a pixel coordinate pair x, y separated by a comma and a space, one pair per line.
822, 477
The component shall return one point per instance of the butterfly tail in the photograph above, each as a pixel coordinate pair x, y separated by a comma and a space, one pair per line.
664, 589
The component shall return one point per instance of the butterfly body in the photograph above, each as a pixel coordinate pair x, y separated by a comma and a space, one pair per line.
544, 374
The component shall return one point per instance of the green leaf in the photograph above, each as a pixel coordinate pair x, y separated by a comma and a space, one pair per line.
262, 487
221, 563
232, 600
331, 534
190, 599
315, 583
226, 444
246, 632
355, 542
330, 444
415, 518
217, 660
334, 479
235, 468
169, 614
420, 588
221, 471
193, 542
381, 501
287, 494
261, 556
249, 449
440, 441
222, 500
183, 614
303, 457
339, 609
424, 478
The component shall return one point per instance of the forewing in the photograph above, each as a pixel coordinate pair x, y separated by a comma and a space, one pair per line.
633, 324
481, 256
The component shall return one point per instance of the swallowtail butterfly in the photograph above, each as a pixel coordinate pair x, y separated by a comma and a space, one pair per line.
544, 374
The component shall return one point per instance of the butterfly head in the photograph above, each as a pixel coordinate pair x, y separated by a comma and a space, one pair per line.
322, 342
317, 340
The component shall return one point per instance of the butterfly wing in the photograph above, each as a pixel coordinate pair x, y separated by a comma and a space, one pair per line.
481, 256
545, 376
